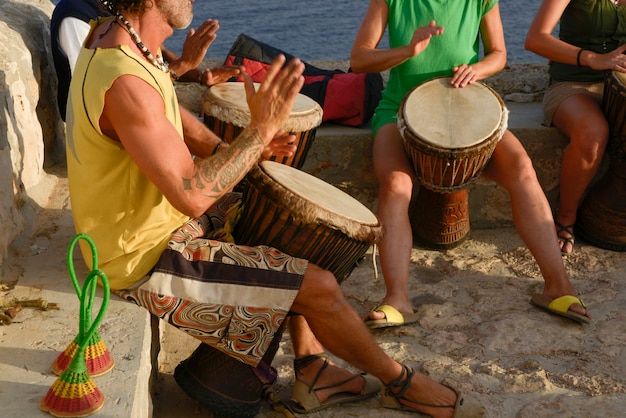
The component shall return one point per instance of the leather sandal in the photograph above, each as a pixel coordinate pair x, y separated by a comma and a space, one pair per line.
304, 398
465, 406
568, 229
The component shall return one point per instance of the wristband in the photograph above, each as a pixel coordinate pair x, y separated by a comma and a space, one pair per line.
580, 51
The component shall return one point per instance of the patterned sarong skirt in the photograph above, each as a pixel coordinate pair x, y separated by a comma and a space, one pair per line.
230, 296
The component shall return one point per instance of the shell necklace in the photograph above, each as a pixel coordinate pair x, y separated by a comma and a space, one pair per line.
158, 61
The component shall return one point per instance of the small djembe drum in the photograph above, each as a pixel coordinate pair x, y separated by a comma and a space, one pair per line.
225, 385
601, 218
305, 217
449, 135
226, 113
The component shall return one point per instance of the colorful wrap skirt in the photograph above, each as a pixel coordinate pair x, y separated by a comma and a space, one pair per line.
229, 296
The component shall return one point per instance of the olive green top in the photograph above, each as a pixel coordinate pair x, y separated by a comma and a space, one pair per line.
595, 25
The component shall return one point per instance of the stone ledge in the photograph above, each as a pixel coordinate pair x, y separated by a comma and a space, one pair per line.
31, 343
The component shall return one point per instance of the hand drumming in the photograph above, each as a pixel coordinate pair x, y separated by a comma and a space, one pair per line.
271, 105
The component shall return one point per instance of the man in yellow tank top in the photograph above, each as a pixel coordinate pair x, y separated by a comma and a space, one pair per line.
151, 185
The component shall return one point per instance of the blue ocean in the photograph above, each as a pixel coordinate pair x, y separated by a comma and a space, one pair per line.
323, 29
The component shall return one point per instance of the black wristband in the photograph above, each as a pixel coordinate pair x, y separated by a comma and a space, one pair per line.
580, 51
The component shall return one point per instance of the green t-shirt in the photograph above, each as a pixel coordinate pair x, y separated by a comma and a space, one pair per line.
596, 25
459, 44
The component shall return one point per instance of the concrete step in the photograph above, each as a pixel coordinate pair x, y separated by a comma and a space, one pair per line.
35, 338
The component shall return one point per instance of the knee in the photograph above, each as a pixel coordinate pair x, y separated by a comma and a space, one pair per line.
320, 287
520, 169
518, 174
591, 138
395, 185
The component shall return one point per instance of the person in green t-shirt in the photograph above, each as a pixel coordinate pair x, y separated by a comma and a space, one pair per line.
430, 39
591, 38
163, 229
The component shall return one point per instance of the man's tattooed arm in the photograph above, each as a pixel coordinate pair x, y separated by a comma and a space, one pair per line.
218, 174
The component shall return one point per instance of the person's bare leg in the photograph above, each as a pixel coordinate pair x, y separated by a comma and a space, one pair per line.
511, 167
337, 327
395, 179
581, 119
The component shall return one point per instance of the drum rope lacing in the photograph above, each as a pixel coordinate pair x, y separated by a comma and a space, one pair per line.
374, 252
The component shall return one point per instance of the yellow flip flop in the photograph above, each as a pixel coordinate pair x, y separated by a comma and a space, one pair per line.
393, 318
560, 306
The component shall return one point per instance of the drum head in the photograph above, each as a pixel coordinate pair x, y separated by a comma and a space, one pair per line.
449, 117
227, 102
316, 192
619, 77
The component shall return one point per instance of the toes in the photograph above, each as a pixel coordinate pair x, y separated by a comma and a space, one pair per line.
576, 308
374, 315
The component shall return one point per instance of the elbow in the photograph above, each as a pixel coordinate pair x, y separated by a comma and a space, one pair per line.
498, 60
356, 68
195, 212
356, 65
529, 44
191, 208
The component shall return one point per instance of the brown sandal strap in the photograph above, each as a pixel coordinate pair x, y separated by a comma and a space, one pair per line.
401, 382
404, 382
303, 362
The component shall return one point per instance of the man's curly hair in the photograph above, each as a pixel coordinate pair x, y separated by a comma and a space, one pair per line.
133, 7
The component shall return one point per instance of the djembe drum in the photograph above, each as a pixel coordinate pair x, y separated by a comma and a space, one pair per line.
601, 218
305, 217
225, 385
226, 113
449, 135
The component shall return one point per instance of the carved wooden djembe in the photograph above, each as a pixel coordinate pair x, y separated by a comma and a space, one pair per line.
449, 135
602, 215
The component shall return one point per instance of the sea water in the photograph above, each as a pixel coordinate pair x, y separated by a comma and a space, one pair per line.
323, 29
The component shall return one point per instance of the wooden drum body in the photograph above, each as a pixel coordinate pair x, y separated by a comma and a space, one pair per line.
226, 113
305, 217
449, 135
602, 215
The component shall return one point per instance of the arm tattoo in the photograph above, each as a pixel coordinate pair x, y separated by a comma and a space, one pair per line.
225, 169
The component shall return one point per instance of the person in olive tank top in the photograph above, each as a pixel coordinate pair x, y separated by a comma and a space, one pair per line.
590, 42
428, 39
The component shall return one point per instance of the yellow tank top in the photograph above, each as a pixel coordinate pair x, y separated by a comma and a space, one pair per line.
126, 215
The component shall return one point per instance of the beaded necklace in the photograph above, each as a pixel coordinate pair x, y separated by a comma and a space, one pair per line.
158, 61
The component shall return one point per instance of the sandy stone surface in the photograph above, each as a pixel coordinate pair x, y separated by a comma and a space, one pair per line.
478, 333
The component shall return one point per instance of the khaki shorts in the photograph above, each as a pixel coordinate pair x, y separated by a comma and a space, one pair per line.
561, 90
